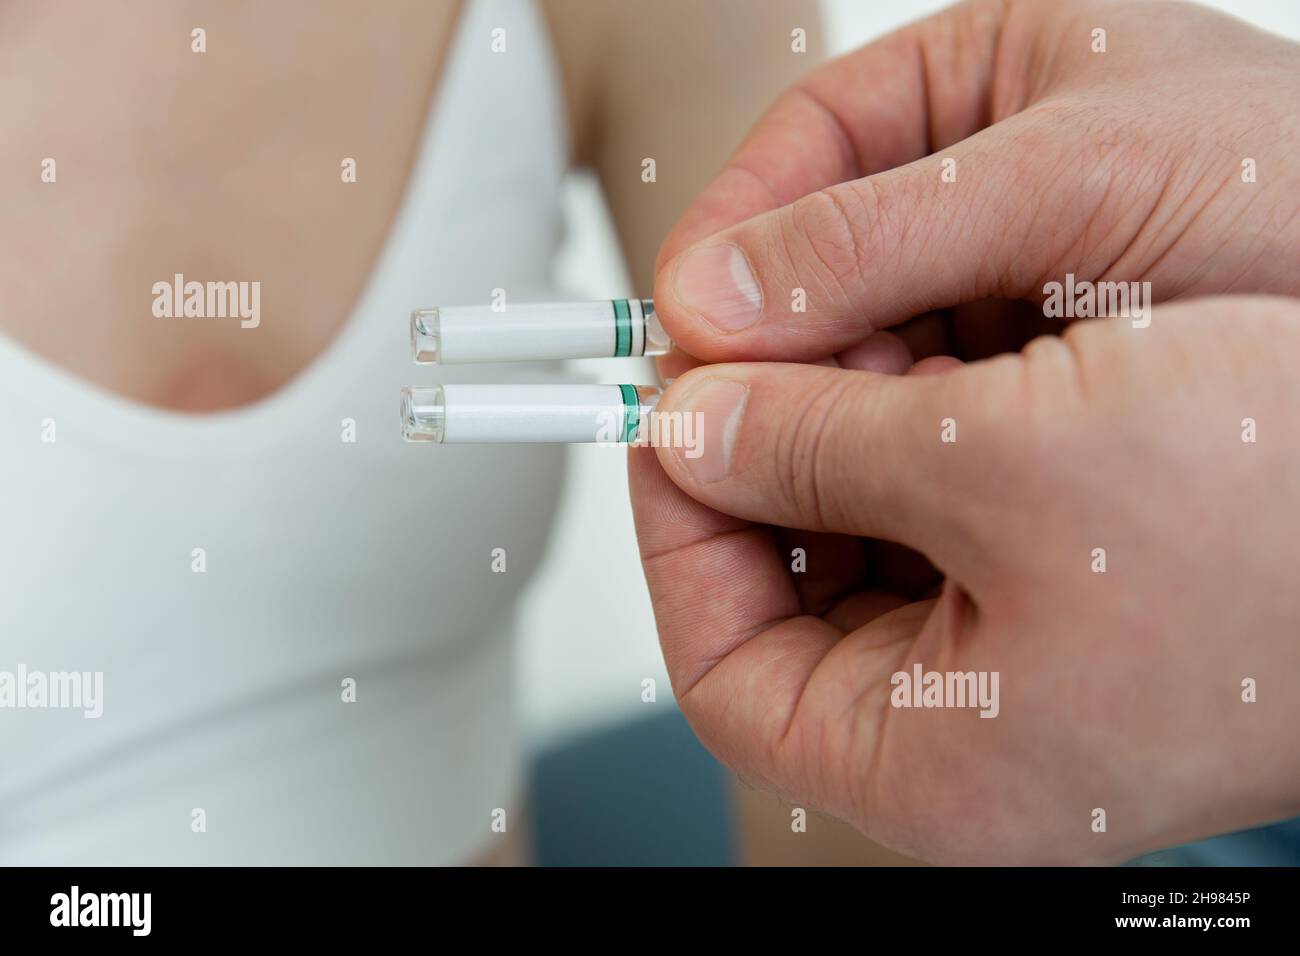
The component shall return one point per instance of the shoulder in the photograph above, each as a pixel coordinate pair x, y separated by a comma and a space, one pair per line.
617, 55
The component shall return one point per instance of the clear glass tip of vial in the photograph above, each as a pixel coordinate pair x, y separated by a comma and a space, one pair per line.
424, 414
425, 335
657, 341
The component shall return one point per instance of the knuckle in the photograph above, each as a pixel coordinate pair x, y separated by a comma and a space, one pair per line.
1056, 370
1052, 389
808, 473
832, 236
1042, 411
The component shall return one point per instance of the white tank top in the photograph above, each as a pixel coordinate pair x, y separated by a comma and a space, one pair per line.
225, 736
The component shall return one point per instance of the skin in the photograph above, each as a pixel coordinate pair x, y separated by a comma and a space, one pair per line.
216, 166
203, 165
1119, 690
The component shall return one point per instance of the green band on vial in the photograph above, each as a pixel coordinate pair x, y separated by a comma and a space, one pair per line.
622, 328
631, 412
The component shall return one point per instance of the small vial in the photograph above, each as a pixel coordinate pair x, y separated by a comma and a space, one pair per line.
612, 328
526, 413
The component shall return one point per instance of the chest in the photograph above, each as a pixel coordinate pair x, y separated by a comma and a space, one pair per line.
264, 171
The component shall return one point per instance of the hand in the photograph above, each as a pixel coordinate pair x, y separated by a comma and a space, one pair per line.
1119, 695
1123, 165
1119, 690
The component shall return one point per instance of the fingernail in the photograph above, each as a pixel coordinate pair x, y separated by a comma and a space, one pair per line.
717, 283
720, 405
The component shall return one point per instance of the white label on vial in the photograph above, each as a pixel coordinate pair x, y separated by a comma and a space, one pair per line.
533, 413
537, 332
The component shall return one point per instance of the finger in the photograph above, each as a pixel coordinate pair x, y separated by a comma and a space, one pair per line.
883, 353
891, 102
935, 365
843, 451
669, 521
862, 608
714, 580
901, 572
827, 567
755, 677
829, 269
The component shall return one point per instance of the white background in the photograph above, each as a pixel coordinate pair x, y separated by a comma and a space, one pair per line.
587, 634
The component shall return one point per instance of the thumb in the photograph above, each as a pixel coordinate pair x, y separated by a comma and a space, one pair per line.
913, 459
816, 276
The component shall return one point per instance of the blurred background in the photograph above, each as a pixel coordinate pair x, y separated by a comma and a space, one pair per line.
599, 746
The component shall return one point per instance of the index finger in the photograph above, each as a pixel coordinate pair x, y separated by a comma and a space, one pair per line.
787, 699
